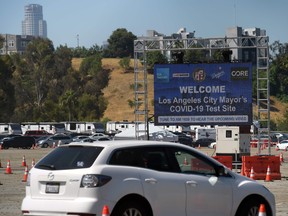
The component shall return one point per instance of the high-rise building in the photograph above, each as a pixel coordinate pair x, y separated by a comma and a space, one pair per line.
33, 23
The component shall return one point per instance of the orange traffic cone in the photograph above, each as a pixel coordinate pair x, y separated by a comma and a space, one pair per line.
268, 175
8, 168
33, 163
185, 161
105, 211
281, 157
25, 174
252, 176
262, 210
23, 161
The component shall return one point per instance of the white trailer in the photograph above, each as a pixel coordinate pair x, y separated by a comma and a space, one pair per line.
233, 141
118, 126
10, 128
85, 127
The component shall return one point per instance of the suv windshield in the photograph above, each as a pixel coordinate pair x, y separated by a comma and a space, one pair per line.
69, 157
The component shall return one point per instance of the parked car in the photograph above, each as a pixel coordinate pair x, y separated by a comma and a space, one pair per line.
96, 135
184, 138
24, 142
57, 139
91, 140
282, 146
164, 135
7, 136
36, 133
79, 138
144, 178
204, 142
264, 138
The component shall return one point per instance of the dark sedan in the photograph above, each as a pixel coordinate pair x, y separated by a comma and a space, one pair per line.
203, 142
25, 142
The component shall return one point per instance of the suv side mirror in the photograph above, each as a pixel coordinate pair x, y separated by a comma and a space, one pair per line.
221, 171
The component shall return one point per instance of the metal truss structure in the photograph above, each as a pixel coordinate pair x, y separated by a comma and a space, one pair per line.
260, 44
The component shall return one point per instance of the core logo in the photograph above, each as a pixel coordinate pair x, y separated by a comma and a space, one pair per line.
239, 73
199, 75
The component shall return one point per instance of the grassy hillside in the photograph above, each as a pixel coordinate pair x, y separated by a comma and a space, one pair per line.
120, 90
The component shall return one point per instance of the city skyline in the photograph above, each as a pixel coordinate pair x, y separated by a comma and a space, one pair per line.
91, 22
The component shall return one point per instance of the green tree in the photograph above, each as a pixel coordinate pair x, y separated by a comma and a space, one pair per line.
68, 101
95, 78
34, 70
63, 77
155, 57
195, 56
125, 63
80, 52
120, 44
283, 124
7, 99
279, 71
1, 41
91, 107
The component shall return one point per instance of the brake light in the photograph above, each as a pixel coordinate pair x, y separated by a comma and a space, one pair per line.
94, 180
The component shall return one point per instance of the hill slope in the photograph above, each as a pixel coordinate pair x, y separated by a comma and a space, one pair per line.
120, 90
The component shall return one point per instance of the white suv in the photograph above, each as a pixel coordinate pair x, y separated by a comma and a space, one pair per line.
143, 178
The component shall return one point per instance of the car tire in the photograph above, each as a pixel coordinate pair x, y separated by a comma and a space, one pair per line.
45, 145
251, 208
130, 208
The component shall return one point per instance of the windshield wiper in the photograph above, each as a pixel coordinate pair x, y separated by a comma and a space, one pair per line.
49, 166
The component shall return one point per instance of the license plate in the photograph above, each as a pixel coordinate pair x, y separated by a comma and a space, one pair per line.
52, 187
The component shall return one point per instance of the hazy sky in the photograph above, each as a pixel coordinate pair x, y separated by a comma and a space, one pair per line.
95, 20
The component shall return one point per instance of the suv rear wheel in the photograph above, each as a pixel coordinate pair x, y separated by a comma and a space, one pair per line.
130, 209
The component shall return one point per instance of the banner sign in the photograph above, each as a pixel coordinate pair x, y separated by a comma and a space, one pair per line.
205, 94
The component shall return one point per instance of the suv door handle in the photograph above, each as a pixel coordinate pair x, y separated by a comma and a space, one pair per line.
191, 183
151, 180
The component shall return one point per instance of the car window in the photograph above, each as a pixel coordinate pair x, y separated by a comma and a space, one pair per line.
151, 158
70, 157
190, 162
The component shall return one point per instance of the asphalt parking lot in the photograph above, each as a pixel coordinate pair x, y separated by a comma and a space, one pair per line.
12, 189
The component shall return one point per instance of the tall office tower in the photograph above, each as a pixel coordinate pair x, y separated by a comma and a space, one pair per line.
33, 24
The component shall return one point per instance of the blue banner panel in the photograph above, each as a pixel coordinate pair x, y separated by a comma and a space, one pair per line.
206, 94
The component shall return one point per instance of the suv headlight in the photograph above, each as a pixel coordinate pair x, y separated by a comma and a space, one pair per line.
94, 180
